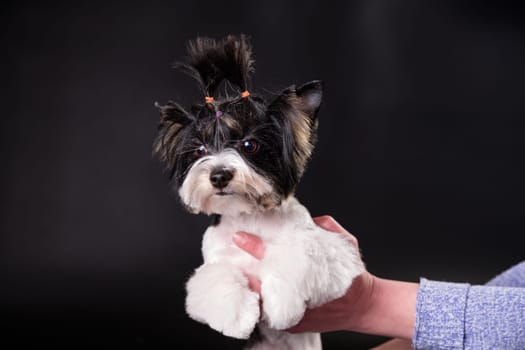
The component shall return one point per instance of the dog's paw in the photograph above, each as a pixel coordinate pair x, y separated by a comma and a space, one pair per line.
218, 295
283, 307
333, 264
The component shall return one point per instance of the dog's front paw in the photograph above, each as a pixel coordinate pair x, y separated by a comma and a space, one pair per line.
218, 294
283, 307
334, 262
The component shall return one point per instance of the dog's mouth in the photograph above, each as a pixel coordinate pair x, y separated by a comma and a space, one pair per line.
224, 193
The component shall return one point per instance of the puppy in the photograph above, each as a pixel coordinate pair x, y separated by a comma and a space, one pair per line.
239, 159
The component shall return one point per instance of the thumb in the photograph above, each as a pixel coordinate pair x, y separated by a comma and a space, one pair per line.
251, 244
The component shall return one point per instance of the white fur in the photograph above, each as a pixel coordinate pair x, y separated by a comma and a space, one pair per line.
235, 306
304, 266
279, 340
245, 187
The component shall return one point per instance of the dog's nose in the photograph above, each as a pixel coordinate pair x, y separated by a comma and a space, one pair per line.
220, 177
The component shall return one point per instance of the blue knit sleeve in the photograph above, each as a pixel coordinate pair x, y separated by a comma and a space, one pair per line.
513, 277
461, 316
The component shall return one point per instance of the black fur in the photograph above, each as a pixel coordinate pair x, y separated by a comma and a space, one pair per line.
284, 129
255, 338
215, 220
210, 61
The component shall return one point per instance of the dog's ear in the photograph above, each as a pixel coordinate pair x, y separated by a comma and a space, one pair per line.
296, 109
173, 119
310, 96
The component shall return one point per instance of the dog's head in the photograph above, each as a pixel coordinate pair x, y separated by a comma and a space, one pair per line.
236, 154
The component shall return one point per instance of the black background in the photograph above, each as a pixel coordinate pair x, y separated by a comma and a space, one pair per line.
420, 153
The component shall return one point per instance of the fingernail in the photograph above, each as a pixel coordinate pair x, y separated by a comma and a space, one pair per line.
239, 238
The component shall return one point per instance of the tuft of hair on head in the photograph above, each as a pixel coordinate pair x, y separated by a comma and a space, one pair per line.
236, 63
199, 64
210, 62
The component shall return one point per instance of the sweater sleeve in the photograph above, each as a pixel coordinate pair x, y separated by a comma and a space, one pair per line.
461, 316
513, 277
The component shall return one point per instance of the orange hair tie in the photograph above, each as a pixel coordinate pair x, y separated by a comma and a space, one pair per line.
245, 94
209, 99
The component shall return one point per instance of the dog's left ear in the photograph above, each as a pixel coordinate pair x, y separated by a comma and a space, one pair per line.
297, 108
310, 96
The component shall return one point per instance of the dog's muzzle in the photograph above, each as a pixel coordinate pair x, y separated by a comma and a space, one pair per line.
220, 177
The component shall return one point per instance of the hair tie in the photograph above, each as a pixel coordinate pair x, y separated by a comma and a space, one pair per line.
245, 94
209, 99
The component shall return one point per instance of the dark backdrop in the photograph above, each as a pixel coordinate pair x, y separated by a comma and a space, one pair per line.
420, 153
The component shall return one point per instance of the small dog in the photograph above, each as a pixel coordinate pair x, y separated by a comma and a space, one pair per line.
239, 159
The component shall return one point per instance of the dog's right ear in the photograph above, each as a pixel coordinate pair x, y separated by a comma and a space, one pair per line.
173, 119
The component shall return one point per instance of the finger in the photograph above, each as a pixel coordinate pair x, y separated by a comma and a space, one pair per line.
305, 324
328, 223
254, 283
395, 344
251, 244
298, 328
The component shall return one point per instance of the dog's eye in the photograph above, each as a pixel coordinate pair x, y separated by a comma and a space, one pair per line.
201, 151
249, 146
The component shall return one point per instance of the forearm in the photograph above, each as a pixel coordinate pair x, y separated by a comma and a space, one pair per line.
460, 316
390, 309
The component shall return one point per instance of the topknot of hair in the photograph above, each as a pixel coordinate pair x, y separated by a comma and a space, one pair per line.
211, 61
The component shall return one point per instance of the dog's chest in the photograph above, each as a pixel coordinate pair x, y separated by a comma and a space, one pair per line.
273, 226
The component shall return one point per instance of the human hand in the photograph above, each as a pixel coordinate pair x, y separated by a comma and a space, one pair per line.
395, 344
371, 305
330, 316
